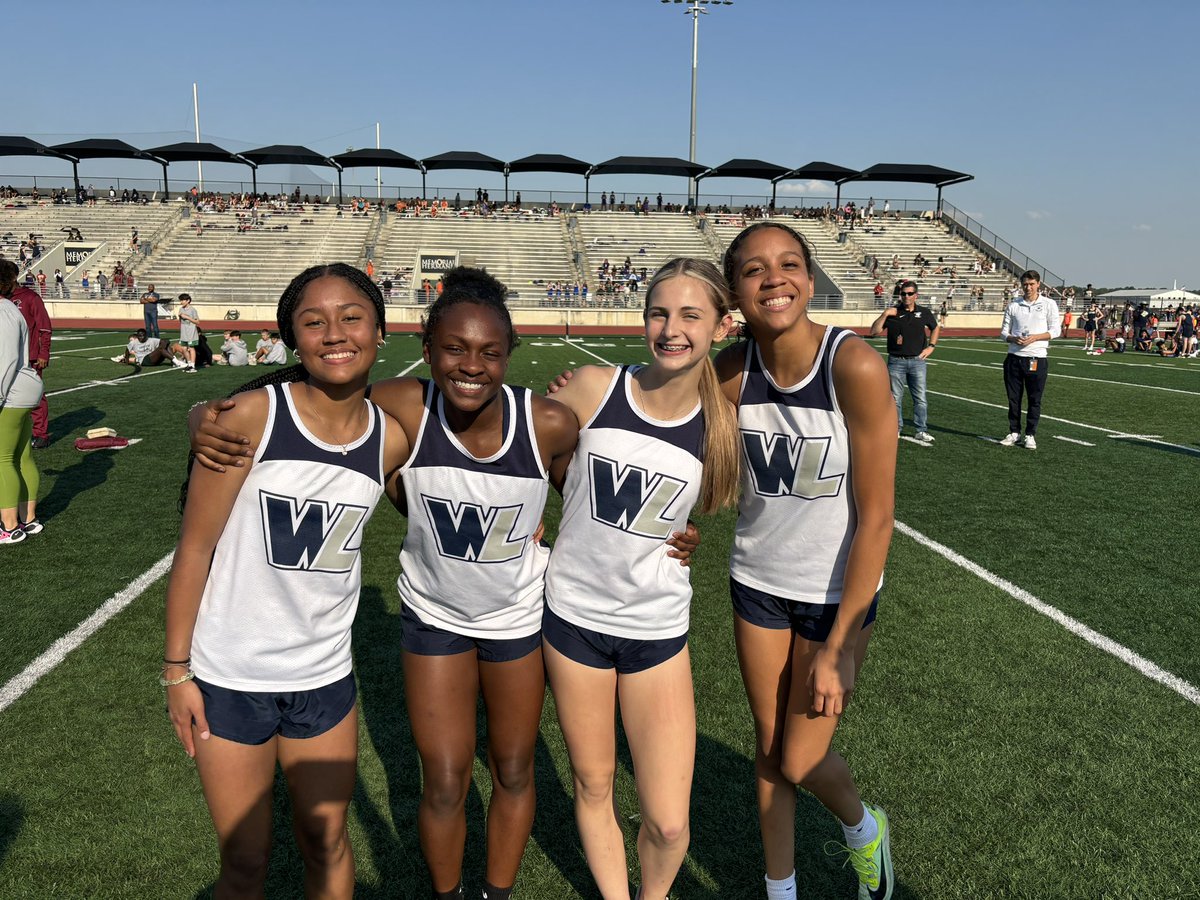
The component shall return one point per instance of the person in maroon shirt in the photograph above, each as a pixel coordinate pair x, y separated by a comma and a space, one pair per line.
34, 310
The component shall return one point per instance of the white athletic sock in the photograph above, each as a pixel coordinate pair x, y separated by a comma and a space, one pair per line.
858, 836
783, 889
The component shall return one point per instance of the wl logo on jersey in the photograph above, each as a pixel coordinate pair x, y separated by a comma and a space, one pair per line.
631, 498
471, 533
311, 536
783, 465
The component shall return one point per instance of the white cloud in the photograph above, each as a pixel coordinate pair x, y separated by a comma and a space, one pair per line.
804, 187
1141, 227
1037, 214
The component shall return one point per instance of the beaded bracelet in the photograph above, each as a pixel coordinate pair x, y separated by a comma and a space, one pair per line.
171, 682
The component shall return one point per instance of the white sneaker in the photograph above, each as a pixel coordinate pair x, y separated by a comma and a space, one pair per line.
1010, 439
189, 370
178, 363
924, 437
1030, 442
12, 537
118, 359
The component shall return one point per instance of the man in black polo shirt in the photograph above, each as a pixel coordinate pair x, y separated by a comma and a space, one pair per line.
912, 333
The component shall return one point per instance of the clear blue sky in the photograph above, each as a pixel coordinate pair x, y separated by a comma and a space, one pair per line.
1078, 120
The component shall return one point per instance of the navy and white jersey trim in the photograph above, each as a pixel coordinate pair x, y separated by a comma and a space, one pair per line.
618, 410
289, 439
814, 392
436, 443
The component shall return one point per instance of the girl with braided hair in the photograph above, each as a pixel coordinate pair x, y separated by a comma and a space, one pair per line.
474, 487
255, 681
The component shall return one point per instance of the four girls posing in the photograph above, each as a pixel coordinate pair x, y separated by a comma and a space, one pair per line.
653, 441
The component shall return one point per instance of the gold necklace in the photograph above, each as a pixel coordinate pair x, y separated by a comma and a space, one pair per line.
320, 418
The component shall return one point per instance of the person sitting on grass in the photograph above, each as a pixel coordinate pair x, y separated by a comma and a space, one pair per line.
277, 355
1115, 343
263, 347
143, 350
234, 351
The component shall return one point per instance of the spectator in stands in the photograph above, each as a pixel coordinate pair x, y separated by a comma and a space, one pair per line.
189, 332
1028, 327
233, 350
85, 284
58, 282
264, 345
277, 355
102, 284
20, 392
912, 333
150, 311
878, 291
41, 281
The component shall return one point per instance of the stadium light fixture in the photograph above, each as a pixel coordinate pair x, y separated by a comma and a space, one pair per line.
695, 8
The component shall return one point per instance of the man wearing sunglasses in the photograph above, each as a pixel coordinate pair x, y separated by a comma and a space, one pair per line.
912, 333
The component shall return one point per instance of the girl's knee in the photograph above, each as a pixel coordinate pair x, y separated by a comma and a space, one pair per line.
446, 791
595, 787
321, 845
803, 769
513, 775
244, 866
668, 831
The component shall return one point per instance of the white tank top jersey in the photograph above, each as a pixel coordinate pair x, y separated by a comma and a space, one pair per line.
283, 588
632, 482
796, 518
469, 562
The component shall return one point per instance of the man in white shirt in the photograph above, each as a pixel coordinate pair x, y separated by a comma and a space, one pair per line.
1029, 325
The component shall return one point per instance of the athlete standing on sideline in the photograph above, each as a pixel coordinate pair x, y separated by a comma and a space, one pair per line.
815, 519
20, 390
655, 440
260, 679
33, 309
1028, 327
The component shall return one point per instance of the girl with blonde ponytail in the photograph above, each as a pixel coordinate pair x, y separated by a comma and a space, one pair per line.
654, 441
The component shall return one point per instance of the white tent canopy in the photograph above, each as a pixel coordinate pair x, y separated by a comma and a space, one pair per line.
1151, 296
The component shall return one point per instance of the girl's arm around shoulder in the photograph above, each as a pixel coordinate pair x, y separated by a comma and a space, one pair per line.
730, 363
403, 399
396, 450
557, 432
584, 391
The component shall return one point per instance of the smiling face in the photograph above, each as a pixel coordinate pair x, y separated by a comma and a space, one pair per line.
682, 322
771, 281
468, 355
336, 333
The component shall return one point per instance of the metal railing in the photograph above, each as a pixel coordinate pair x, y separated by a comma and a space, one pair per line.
1009, 257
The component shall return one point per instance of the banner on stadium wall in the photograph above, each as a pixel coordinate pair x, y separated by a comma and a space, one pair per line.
436, 263
76, 253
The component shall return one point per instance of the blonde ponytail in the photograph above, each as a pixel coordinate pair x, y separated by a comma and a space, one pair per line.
722, 457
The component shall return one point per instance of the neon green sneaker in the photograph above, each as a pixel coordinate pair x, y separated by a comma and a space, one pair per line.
873, 863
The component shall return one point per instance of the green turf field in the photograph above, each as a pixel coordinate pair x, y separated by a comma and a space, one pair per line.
1015, 757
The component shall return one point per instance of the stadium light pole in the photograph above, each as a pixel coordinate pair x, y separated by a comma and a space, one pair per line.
695, 8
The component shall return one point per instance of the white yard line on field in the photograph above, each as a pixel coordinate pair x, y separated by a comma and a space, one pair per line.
1109, 431
32, 673
913, 440
121, 380
591, 354
1132, 384
409, 369
1188, 691
1063, 437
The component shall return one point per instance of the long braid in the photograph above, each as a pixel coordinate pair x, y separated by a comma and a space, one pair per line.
283, 319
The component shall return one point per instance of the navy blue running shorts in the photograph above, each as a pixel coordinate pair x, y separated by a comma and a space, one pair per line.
254, 717
603, 651
429, 640
812, 621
